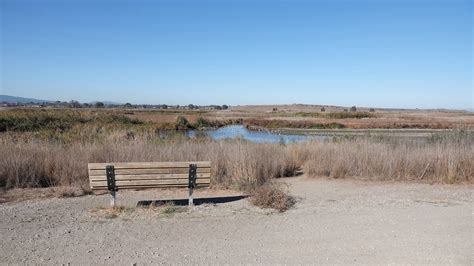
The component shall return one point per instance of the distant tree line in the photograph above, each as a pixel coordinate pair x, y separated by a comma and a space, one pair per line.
77, 104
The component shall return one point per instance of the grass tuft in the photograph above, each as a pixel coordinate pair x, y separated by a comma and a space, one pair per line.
111, 213
272, 195
171, 209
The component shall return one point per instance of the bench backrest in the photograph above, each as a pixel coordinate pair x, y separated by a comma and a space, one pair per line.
149, 175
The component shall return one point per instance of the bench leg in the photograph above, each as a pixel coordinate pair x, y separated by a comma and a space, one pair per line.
190, 199
112, 199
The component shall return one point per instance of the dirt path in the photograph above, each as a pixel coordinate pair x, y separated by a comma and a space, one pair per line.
334, 222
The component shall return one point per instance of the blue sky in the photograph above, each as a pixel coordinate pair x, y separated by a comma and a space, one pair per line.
364, 53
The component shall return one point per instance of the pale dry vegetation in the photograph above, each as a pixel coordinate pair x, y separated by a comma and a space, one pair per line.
448, 158
53, 147
30, 162
40, 164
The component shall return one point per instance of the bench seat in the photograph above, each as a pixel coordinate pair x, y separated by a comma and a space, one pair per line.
142, 175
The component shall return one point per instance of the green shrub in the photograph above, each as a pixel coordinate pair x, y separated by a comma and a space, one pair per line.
201, 122
347, 115
291, 124
29, 120
25, 120
328, 126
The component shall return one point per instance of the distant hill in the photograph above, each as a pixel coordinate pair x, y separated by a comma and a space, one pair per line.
23, 100
14, 99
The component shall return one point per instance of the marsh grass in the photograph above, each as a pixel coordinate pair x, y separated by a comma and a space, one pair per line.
278, 123
35, 163
447, 158
23, 120
30, 160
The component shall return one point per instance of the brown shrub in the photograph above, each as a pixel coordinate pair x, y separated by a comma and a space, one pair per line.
271, 195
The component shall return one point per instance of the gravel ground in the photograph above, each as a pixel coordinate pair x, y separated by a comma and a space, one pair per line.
334, 222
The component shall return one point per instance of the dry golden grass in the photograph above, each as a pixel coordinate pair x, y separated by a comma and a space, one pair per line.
53, 147
445, 158
448, 159
43, 164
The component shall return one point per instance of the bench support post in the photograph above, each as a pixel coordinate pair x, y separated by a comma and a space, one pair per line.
110, 171
112, 199
190, 199
191, 182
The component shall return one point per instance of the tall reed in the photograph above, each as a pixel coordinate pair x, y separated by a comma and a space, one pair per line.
29, 161
40, 164
442, 158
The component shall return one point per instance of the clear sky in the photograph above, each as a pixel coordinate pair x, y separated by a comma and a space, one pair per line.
365, 53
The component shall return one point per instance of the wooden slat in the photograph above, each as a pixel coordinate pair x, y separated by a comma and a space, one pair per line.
149, 171
127, 183
141, 175
148, 187
148, 182
147, 165
151, 177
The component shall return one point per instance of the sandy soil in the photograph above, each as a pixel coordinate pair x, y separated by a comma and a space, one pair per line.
335, 221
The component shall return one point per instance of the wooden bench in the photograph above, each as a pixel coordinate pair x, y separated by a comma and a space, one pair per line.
117, 176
